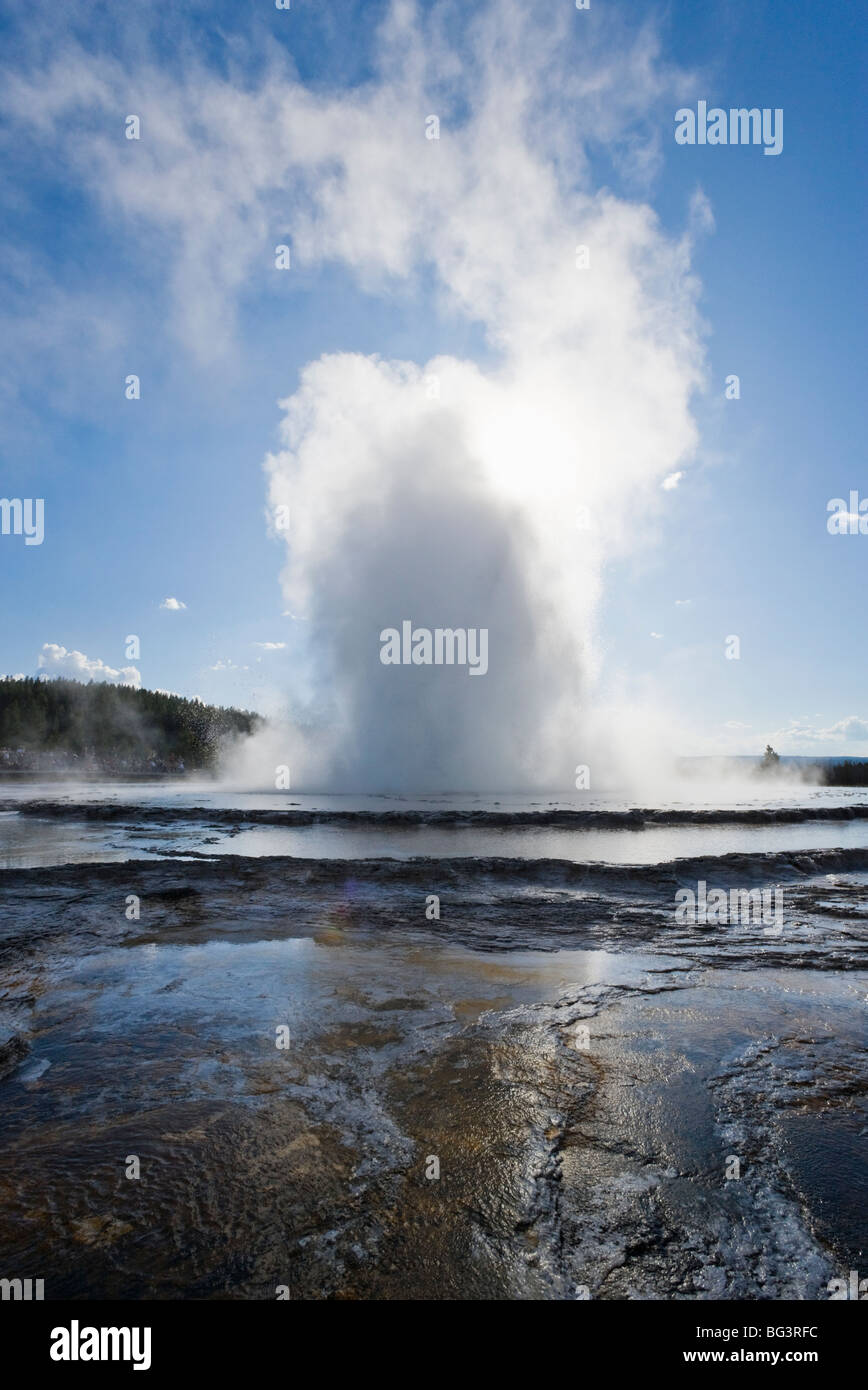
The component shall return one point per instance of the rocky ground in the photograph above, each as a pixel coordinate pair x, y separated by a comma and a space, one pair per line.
550, 1091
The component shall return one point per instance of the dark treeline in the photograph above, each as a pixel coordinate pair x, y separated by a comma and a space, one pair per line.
830, 774
846, 774
63, 724
852, 773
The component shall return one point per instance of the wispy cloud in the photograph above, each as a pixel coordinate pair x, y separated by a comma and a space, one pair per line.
852, 729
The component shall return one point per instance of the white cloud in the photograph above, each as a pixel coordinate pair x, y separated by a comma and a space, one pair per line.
658, 635
701, 214
683, 602
671, 481
55, 660
853, 729
270, 646
173, 605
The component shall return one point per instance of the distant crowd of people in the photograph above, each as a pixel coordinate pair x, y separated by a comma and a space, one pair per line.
24, 759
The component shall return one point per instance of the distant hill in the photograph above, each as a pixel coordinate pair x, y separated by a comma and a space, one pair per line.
65, 726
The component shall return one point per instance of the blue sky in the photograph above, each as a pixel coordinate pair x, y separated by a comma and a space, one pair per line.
166, 496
